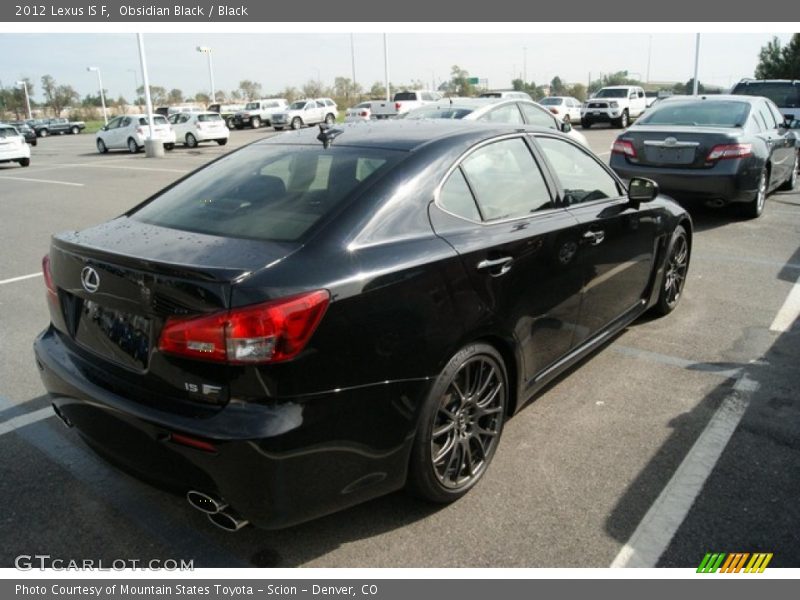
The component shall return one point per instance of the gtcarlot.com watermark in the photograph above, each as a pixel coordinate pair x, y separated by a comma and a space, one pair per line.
43, 562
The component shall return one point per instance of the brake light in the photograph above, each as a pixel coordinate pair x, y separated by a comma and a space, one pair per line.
554, 111
191, 442
363, 113
624, 147
722, 151
397, 106
262, 333
52, 293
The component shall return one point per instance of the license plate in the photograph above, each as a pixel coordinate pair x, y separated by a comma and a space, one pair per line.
119, 336
596, 114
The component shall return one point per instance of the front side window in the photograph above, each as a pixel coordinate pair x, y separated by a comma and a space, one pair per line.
506, 180
582, 177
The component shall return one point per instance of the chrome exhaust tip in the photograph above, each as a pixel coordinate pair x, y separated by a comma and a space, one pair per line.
205, 503
716, 203
228, 521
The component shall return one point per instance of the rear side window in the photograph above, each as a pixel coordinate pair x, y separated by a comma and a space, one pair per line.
785, 94
456, 197
270, 192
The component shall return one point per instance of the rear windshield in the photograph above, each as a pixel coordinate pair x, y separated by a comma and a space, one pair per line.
273, 193
209, 118
157, 120
251, 106
612, 93
701, 113
784, 94
8, 132
400, 96
551, 101
437, 112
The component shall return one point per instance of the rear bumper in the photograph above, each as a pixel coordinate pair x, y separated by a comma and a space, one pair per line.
17, 153
729, 181
223, 133
276, 464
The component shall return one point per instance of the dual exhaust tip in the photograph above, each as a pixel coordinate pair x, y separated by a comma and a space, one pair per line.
217, 511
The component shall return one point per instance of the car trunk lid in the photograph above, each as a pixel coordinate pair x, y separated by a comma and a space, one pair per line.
677, 146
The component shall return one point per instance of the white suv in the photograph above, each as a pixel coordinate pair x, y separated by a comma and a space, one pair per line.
258, 113
616, 105
130, 131
305, 112
193, 128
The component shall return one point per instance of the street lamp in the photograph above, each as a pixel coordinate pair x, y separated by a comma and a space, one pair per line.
24, 85
102, 94
208, 51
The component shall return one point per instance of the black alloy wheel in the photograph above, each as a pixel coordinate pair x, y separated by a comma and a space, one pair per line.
675, 270
460, 425
755, 208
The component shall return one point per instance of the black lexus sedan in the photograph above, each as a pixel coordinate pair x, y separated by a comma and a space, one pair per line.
325, 316
719, 150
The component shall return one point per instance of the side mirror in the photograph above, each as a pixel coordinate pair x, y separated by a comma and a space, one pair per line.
104, 128
565, 127
642, 190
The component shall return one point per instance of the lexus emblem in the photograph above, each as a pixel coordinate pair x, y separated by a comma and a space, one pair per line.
90, 279
670, 141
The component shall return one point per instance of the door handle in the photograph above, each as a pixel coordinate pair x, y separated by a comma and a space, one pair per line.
595, 237
498, 266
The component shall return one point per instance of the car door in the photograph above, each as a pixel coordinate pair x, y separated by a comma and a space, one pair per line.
497, 210
616, 240
116, 138
782, 142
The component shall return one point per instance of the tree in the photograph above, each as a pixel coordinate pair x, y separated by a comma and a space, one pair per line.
175, 96
557, 87
290, 93
459, 82
378, 90
618, 78
58, 96
577, 91
158, 94
250, 89
688, 87
779, 62
312, 89
202, 98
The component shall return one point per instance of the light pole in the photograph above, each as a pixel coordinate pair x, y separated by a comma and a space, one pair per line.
649, 54
24, 85
525, 64
386, 64
206, 50
696, 64
152, 147
102, 94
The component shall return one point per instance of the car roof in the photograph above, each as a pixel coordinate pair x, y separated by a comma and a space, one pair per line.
400, 134
714, 98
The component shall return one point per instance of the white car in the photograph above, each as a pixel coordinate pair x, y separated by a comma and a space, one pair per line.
305, 112
361, 112
192, 128
131, 131
13, 147
566, 108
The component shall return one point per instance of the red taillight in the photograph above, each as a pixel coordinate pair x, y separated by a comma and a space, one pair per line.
52, 293
722, 151
192, 442
554, 111
269, 332
624, 147
397, 106
363, 113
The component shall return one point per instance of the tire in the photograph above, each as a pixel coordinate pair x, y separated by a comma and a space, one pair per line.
586, 124
675, 269
297, 123
460, 425
101, 147
133, 147
222, 142
240, 127
230, 123
623, 121
255, 122
278, 128
43, 133
169, 147
191, 141
330, 119
24, 162
33, 142
75, 131
755, 208
791, 183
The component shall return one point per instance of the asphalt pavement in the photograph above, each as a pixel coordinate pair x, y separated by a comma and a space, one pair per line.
679, 437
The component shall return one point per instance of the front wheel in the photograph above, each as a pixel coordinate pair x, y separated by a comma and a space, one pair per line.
297, 123
191, 141
675, 271
101, 147
75, 131
623, 121
133, 147
222, 142
460, 425
255, 123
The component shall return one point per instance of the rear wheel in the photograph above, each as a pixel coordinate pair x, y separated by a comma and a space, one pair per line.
169, 147
133, 147
230, 123
24, 162
754, 208
101, 147
586, 124
191, 141
460, 425
297, 123
791, 183
43, 133
675, 271
255, 122
222, 142
75, 130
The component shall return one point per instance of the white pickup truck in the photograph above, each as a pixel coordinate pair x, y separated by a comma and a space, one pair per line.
615, 104
258, 113
402, 102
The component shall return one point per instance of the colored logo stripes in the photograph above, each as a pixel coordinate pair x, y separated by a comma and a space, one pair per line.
733, 563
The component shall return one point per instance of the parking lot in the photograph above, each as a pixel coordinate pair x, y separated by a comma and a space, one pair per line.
600, 469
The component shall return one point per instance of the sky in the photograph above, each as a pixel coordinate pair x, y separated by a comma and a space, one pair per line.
278, 60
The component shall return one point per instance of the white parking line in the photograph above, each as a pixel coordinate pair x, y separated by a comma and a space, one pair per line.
659, 525
41, 181
20, 278
26, 419
127, 168
789, 311
603, 153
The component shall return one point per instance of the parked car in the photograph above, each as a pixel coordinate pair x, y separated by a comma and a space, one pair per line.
785, 93
131, 131
493, 110
305, 112
322, 317
192, 128
717, 149
360, 112
13, 147
506, 94
45, 127
27, 132
617, 105
566, 108
258, 113
227, 112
